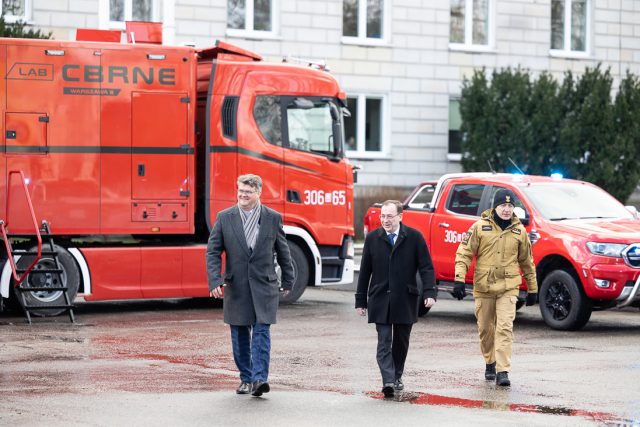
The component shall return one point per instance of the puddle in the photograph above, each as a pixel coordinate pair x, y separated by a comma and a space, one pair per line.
438, 400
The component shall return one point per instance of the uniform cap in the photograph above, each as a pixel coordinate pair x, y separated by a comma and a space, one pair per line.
503, 196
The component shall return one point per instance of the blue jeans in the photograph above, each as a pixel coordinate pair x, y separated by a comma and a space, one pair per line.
251, 350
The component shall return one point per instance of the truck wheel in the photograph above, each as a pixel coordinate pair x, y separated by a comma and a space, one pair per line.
70, 275
563, 304
300, 274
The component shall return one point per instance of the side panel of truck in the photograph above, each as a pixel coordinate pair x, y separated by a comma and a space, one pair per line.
52, 135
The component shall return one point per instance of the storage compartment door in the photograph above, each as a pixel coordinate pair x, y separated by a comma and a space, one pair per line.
159, 146
26, 133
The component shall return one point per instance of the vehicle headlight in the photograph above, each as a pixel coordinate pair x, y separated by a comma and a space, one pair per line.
606, 249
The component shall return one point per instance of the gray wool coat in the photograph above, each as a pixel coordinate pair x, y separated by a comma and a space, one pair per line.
251, 294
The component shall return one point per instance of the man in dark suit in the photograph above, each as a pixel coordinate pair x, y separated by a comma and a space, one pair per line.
249, 234
388, 289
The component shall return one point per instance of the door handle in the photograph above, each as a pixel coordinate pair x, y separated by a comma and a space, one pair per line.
443, 225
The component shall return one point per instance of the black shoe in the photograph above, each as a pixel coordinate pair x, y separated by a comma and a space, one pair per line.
398, 385
503, 379
490, 372
387, 390
244, 388
260, 387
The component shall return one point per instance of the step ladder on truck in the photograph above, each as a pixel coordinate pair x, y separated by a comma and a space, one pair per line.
38, 276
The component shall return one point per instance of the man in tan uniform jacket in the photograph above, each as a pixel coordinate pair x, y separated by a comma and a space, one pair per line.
502, 247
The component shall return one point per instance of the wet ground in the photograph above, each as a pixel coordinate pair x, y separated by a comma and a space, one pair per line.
169, 363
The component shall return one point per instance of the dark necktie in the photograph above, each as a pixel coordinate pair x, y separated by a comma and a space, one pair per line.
391, 236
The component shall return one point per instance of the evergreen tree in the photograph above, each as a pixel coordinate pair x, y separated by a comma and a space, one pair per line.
574, 127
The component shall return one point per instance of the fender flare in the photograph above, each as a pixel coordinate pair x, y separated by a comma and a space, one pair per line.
5, 278
290, 230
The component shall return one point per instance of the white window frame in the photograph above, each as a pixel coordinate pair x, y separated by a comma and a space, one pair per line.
566, 51
13, 18
468, 44
104, 15
361, 38
248, 32
361, 152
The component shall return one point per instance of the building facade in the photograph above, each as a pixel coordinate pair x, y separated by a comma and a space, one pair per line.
401, 62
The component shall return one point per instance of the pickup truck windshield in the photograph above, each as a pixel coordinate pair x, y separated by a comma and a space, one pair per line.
560, 201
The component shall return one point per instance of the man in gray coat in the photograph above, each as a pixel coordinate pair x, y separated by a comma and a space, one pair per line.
249, 234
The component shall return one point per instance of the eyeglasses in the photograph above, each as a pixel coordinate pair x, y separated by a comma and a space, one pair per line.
246, 192
383, 217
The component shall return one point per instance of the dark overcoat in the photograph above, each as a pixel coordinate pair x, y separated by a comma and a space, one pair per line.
251, 294
387, 284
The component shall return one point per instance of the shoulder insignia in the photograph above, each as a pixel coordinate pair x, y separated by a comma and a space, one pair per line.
487, 228
516, 231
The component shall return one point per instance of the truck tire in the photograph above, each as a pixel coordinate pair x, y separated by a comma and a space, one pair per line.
70, 275
300, 274
563, 304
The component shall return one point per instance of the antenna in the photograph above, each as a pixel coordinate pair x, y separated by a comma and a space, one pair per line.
516, 166
491, 166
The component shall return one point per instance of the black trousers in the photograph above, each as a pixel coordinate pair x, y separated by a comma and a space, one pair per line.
393, 345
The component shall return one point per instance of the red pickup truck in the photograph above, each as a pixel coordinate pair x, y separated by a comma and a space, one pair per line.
586, 245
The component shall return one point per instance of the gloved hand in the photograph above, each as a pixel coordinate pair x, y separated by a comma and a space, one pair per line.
458, 290
531, 299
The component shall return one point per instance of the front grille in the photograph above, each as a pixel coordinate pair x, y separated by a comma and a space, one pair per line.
631, 255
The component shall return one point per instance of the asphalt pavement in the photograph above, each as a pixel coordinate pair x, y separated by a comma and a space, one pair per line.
150, 363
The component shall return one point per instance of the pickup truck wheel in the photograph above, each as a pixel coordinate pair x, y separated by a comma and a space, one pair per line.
300, 274
563, 304
70, 276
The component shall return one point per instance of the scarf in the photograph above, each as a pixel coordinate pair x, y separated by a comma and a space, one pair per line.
502, 223
251, 224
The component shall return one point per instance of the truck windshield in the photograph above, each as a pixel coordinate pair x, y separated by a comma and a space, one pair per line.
560, 201
310, 127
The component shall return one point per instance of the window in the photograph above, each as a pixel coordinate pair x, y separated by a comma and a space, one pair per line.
364, 21
251, 16
570, 26
268, 116
16, 10
471, 24
364, 130
455, 136
310, 126
423, 197
465, 199
119, 11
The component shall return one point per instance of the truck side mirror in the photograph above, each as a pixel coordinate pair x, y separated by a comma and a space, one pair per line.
522, 215
633, 210
354, 171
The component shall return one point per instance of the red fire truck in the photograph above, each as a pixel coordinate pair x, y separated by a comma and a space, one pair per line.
129, 151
